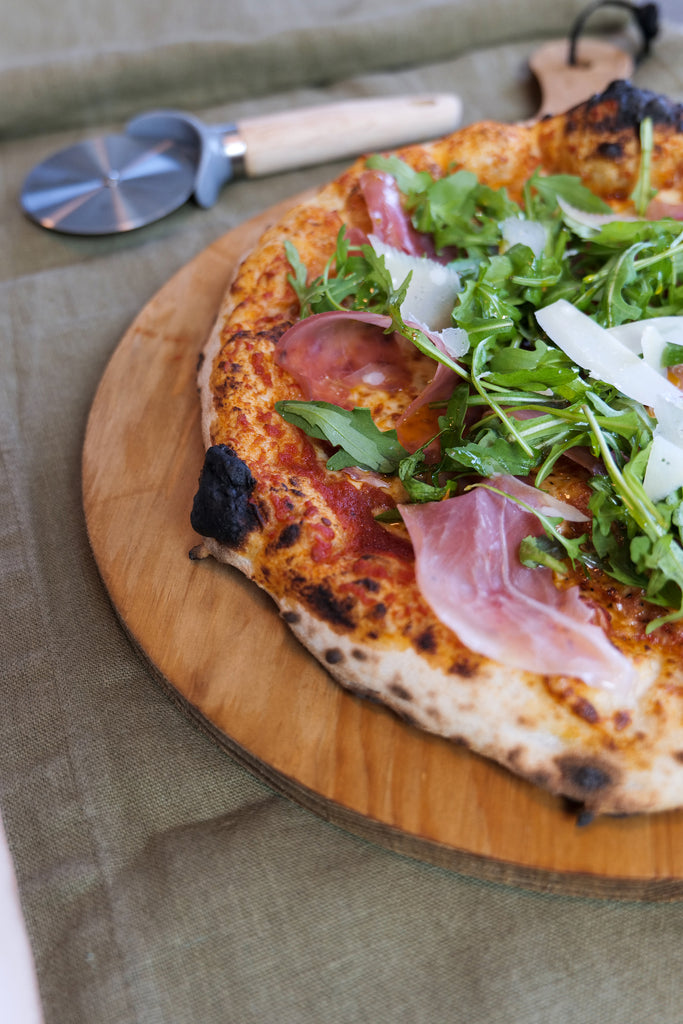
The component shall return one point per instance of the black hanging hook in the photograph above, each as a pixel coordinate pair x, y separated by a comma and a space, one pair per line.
645, 15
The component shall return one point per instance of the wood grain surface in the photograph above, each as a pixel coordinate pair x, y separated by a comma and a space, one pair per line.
218, 644
563, 85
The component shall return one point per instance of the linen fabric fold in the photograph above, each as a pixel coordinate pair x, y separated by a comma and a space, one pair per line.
93, 64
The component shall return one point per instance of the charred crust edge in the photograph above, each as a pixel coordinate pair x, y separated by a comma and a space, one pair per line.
322, 600
221, 508
633, 105
585, 777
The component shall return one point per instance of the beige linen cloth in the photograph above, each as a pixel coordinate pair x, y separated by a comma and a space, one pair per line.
161, 883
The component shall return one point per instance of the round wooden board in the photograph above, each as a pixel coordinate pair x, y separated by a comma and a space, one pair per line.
219, 645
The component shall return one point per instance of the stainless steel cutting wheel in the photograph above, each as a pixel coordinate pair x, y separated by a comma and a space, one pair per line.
109, 184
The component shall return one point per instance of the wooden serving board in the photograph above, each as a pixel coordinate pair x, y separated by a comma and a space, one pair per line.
219, 646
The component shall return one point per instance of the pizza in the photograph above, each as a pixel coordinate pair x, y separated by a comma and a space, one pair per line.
443, 422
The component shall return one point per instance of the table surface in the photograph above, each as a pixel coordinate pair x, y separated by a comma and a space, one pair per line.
154, 878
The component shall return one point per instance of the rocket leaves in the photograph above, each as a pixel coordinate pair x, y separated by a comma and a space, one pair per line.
519, 403
352, 432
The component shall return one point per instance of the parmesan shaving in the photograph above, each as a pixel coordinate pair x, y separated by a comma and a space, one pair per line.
432, 289
532, 233
603, 354
614, 356
586, 219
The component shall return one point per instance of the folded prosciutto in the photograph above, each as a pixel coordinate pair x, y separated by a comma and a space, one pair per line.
469, 572
328, 354
389, 220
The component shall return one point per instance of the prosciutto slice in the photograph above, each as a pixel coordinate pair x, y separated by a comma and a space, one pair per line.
389, 220
659, 209
329, 354
469, 572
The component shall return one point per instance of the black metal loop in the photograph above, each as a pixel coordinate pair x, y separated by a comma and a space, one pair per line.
645, 15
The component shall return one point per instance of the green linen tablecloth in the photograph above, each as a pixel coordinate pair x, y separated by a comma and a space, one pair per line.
160, 881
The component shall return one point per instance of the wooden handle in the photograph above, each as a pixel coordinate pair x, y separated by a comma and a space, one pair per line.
563, 85
301, 138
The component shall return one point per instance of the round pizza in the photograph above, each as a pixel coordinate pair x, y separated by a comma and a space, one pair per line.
443, 421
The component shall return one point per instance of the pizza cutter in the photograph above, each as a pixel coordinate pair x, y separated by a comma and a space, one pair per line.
115, 183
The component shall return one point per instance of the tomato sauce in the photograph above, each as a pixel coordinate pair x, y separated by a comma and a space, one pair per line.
355, 508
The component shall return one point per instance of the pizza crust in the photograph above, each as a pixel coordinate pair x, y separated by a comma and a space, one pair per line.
504, 714
352, 600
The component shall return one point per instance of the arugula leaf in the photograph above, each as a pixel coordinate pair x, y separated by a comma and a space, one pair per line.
351, 279
410, 182
456, 209
643, 192
492, 455
654, 550
614, 305
569, 188
412, 472
341, 278
543, 550
672, 354
360, 442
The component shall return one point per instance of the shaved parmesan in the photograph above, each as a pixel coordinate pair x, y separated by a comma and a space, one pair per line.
669, 415
612, 355
532, 233
455, 340
647, 336
586, 219
433, 286
653, 344
664, 472
603, 354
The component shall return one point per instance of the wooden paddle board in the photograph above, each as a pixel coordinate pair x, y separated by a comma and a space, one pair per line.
219, 646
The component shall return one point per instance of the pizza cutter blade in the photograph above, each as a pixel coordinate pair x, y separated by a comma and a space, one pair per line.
108, 184
119, 182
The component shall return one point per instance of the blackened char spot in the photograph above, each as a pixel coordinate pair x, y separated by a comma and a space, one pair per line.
575, 809
611, 150
336, 611
634, 105
289, 535
400, 691
426, 641
583, 776
463, 668
221, 507
369, 584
